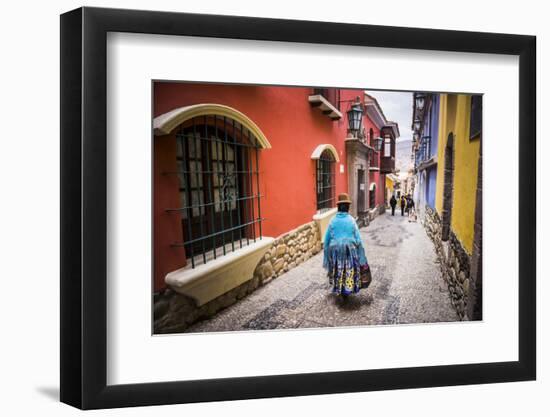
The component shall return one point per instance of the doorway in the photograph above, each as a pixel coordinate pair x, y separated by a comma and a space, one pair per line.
360, 191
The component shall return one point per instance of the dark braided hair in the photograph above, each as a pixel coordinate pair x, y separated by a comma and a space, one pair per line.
343, 207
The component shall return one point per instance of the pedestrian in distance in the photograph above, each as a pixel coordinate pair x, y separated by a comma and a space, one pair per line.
411, 209
344, 254
393, 203
403, 202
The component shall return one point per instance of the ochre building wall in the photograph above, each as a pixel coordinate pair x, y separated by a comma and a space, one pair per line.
455, 118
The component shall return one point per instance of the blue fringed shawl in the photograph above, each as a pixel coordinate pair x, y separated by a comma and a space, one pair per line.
343, 243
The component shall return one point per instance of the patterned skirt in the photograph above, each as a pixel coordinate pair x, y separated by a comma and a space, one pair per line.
344, 271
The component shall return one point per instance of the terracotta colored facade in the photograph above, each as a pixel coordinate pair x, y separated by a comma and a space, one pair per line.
376, 180
287, 172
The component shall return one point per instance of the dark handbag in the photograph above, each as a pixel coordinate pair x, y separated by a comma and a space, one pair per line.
366, 276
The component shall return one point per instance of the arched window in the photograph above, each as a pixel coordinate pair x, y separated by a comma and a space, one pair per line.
448, 175
218, 169
325, 180
371, 137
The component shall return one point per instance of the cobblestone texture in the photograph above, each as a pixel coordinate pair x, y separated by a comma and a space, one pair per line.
407, 287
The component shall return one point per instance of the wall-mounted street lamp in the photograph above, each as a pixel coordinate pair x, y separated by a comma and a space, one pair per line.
420, 100
355, 117
378, 142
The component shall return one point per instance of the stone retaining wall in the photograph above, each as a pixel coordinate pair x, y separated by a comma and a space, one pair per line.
174, 312
365, 218
453, 260
288, 251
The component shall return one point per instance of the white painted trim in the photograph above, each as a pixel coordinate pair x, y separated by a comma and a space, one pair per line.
395, 127
325, 105
322, 216
321, 148
165, 123
374, 111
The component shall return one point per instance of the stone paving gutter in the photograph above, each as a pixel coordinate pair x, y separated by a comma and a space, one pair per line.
407, 288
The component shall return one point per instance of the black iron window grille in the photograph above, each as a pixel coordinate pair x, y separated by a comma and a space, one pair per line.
219, 184
325, 181
426, 147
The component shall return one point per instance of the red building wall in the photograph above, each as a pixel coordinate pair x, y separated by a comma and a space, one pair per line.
375, 176
167, 229
287, 172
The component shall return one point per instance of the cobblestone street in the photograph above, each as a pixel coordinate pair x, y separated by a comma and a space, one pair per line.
407, 287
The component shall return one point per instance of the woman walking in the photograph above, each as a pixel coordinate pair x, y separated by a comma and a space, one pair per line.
344, 255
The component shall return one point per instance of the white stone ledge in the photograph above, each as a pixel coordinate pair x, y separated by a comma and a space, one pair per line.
325, 106
323, 220
208, 281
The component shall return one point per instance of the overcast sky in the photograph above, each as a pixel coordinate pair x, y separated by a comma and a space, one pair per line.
397, 107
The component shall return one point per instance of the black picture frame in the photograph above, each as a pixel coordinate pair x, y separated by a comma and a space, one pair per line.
84, 207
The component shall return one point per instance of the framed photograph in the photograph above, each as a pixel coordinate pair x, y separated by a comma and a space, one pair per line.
257, 208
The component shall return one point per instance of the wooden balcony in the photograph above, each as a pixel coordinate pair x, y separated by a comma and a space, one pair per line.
387, 164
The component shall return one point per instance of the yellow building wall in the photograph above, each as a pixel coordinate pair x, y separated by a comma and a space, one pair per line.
455, 118
389, 185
